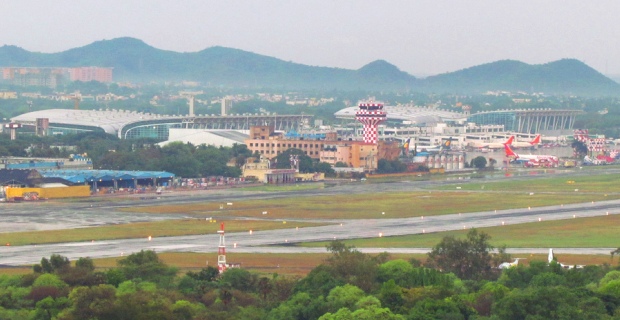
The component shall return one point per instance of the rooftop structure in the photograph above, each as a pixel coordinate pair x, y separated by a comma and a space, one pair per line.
63, 120
410, 115
114, 179
215, 137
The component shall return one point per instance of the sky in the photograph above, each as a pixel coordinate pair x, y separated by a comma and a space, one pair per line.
419, 37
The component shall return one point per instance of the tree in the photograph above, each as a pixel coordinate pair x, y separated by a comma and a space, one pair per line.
344, 297
390, 166
391, 296
579, 148
91, 303
49, 308
239, 279
54, 264
319, 282
468, 258
283, 160
49, 280
399, 271
324, 168
146, 265
479, 162
615, 252
353, 267
541, 303
85, 263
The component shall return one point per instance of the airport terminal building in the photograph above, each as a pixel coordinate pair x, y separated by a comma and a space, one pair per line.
133, 125
531, 121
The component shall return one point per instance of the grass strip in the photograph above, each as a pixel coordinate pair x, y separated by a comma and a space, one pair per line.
369, 206
594, 232
167, 228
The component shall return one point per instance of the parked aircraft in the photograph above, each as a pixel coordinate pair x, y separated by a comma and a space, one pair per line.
494, 145
443, 146
533, 159
552, 258
519, 144
507, 265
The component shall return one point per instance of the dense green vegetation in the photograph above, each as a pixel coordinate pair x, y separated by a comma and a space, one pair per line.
347, 285
184, 160
109, 152
566, 76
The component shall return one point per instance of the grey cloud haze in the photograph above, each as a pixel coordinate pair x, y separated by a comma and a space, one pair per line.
420, 37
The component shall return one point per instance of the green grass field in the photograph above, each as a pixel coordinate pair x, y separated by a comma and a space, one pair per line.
143, 230
599, 183
283, 187
370, 206
596, 232
472, 197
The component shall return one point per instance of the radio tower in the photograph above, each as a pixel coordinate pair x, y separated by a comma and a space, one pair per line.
370, 115
221, 251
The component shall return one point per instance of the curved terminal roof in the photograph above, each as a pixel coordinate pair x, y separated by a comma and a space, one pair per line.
538, 112
417, 115
111, 121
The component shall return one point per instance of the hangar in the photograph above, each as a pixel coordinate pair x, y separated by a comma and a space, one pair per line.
42, 183
112, 178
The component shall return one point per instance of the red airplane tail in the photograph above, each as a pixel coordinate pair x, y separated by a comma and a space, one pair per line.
510, 140
509, 152
536, 140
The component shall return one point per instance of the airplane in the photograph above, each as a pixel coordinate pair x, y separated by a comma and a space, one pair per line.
494, 145
507, 265
551, 258
534, 142
531, 158
442, 147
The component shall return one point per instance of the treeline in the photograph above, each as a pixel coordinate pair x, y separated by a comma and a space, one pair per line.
347, 285
184, 160
108, 152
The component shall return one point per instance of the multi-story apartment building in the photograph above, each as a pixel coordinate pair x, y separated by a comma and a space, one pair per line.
52, 76
86, 74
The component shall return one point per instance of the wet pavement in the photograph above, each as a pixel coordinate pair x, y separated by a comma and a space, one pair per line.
57, 215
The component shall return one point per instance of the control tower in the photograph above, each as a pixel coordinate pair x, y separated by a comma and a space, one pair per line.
371, 115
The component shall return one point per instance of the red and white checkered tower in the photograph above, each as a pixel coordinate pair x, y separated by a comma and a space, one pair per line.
221, 250
371, 115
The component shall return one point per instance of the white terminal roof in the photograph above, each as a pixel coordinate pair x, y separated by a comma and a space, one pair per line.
109, 120
417, 115
216, 137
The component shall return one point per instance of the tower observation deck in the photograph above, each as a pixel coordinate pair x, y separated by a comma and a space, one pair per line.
370, 115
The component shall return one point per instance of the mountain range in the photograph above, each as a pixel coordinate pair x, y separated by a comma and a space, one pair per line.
134, 60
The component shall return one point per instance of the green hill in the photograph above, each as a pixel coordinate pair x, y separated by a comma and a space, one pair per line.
134, 60
566, 76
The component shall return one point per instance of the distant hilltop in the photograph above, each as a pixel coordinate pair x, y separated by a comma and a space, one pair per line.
134, 60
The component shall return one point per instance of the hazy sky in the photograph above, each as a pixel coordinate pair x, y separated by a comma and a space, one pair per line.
419, 37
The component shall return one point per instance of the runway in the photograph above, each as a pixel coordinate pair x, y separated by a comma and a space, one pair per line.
50, 215
281, 241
